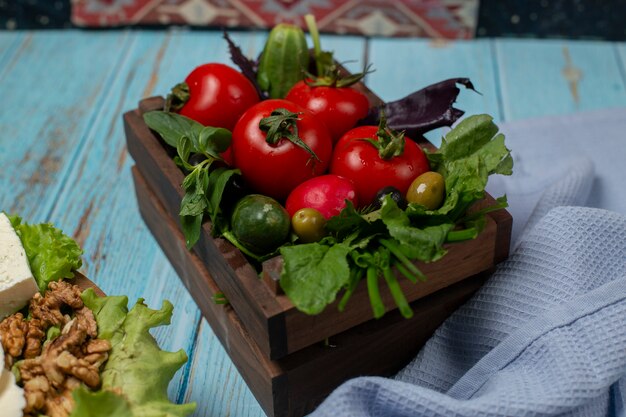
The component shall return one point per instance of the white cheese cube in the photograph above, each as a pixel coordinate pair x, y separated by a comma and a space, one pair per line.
12, 400
17, 285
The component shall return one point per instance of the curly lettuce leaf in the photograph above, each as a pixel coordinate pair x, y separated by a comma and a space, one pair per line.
51, 254
469, 153
99, 404
135, 355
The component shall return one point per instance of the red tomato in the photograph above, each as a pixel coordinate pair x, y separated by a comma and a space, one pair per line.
326, 194
339, 108
359, 161
218, 95
276, 169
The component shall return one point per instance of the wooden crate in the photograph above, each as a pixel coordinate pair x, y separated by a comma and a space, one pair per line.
295, 384
270, 319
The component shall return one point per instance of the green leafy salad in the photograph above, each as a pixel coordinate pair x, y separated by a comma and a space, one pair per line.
117, 369
368, 245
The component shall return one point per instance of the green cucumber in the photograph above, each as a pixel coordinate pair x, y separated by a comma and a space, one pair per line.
284, 60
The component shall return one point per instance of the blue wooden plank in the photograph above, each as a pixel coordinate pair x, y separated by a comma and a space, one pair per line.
558, 77
406, 65
51, 94
9, 43
184, 50
347, 50
216, 385
620, 49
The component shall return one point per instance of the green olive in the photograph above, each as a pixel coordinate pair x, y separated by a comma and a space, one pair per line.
308, 224
428, 190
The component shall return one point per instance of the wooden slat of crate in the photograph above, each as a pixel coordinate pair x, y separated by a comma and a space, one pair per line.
294, 385
276, 325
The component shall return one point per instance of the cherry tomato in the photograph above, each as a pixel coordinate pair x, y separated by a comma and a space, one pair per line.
327, 194
339, 108
218, 95
360, 161
276, 169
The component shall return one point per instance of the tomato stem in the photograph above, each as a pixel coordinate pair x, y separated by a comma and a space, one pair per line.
178, 96
282, 123
388, 142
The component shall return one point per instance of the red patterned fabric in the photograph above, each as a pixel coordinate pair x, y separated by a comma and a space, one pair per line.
446, 19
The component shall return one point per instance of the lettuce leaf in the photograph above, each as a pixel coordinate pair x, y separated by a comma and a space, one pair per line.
51, 254
99, 404
469, 153
313, 274
135, 355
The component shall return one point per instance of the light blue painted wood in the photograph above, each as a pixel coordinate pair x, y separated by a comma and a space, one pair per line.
9, 42
183, 50
347, 50
620, 49
216, 385
406, 65
558, 77
52, 91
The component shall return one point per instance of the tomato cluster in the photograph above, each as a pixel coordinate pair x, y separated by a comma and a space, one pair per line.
304, 151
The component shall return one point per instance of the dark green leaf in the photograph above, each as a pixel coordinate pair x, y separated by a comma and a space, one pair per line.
214, 141
184, 150
192, 227
422, 244
313, 274
346, 222
172, 126
193, 204
219, 179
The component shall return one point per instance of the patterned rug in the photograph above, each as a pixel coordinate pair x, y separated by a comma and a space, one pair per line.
446, 19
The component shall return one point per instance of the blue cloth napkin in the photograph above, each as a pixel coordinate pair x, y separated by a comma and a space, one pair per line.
546, 335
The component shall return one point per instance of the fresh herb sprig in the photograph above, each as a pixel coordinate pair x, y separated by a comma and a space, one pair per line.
198, 150
370, 246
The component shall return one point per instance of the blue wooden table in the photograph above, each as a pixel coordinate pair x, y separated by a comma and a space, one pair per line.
63, 157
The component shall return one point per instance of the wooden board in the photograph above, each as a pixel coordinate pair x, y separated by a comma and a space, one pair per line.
271, 319
294, 385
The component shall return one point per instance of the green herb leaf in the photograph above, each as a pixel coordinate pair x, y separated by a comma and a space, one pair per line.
313, 274
171, 126
213, 141
192, 228
184, 150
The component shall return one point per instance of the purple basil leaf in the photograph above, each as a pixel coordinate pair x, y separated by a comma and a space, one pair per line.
423, 110
247, 66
